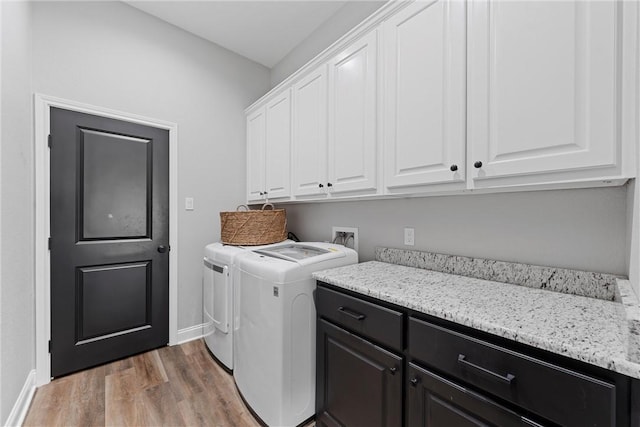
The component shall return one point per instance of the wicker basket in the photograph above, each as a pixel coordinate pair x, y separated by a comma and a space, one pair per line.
253, 227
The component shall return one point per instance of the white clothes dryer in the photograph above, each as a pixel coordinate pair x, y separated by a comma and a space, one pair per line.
275, 339
218, 298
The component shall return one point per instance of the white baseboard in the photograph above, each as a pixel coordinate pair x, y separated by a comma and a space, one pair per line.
20, 408
191, 333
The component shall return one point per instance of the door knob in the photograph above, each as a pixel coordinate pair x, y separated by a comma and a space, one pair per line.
453, 168
477, 165
162, 248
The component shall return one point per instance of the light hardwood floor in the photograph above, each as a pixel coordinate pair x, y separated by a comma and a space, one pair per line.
171, 386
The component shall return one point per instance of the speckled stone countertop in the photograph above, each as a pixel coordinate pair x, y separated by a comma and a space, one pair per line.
583, 283
587, 329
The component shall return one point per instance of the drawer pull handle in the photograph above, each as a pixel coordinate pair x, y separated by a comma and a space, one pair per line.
528, 422
351, 313
462, 359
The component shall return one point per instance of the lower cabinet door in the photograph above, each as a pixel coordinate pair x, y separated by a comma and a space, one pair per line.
358, 383
434, 401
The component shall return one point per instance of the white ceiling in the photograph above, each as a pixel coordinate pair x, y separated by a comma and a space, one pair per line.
264, 31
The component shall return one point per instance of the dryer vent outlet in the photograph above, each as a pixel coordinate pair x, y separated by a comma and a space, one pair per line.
346, 236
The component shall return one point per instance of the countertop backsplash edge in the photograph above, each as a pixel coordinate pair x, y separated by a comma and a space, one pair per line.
575, 282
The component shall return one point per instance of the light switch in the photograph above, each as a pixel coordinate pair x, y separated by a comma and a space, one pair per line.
188, 203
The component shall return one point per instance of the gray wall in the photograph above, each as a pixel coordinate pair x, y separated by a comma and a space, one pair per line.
350, 15
111, 55
581, 229
17, 333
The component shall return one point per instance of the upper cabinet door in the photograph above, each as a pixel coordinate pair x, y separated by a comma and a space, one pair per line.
352, 117
425, 98
542, 87
310, 134
278, 147
255, 155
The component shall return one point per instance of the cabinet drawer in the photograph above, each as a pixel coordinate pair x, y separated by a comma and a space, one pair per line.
557, 394
370, 320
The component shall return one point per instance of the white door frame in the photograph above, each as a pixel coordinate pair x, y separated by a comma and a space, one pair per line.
43, 104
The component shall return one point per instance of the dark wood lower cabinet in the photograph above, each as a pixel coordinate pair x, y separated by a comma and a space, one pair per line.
360, 384
378, 364
434, 401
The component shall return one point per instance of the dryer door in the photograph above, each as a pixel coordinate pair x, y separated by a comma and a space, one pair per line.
215, 294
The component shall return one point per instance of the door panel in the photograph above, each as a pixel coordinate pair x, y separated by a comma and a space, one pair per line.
207, 296
109, 217
434, 401
255, 155
358, 383
542, 87
278, 147
221, 289
115, 175
310, 134
112, 299
425, 94
352, 116
216, 291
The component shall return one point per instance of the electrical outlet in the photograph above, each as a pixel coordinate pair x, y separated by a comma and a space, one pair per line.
346, 236
409, 236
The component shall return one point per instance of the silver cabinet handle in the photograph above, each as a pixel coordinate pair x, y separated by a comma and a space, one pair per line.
508, 379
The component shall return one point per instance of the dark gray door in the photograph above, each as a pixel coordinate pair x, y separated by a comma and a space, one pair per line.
109, 239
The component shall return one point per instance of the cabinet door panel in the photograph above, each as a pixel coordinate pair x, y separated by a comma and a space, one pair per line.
433, 401
352, 117
542, 86
255, 155
425, 96
278, 147
310, 134
358, 383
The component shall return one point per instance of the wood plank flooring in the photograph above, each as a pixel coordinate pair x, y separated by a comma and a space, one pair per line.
172, 386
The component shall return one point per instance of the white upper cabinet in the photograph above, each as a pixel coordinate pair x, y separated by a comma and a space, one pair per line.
352, 117
269, 150
278, 147
446, 96
542, 92
424, 97
255, 155
310, 134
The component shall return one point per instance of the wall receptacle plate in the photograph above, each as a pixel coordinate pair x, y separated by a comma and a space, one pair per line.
350, 242
409, 236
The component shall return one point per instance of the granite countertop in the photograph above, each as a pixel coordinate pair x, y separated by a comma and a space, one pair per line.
582, 328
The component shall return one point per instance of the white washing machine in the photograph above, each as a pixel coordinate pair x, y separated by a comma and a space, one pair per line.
275, 340
218, 298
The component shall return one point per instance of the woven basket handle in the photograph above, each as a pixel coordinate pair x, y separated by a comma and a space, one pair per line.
268, 204
246, 208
